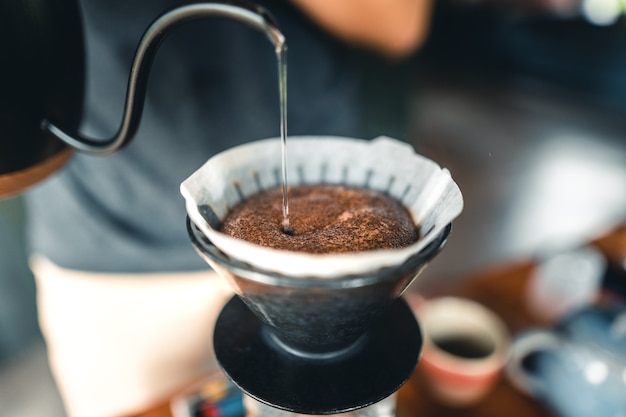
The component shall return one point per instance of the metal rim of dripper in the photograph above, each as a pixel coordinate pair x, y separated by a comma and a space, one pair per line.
208, 250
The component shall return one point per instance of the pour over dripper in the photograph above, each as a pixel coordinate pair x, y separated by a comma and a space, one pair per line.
319, 334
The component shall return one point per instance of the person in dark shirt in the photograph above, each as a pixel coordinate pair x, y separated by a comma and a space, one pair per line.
125, 304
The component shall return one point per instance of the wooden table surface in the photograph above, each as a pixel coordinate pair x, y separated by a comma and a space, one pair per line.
500, 288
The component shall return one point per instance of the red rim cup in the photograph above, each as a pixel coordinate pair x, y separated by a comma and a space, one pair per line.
461, 374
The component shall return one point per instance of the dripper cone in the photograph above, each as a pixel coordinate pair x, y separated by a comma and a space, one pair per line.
336, 322
317, 318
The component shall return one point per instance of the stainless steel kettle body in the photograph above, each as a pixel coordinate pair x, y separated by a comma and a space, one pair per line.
42, 81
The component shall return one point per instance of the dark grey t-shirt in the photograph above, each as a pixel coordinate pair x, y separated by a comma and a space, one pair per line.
213, 85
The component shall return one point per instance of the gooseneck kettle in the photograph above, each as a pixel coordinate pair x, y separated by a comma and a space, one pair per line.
42, 78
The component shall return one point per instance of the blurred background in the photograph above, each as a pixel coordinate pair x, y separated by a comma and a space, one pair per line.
523, 101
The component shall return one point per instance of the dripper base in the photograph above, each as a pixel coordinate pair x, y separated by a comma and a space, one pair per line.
385, 361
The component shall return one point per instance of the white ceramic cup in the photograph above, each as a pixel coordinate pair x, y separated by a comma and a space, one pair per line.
465, 349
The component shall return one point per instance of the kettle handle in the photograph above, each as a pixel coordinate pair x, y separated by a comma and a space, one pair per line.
255, 16
526, 344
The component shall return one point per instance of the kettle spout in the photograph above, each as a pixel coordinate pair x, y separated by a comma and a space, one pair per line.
249, 14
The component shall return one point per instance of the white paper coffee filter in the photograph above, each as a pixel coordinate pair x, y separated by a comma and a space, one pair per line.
382, 164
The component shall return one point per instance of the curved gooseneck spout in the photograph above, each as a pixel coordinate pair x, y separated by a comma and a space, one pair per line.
254, 16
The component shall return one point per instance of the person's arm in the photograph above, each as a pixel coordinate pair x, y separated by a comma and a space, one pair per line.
393, 27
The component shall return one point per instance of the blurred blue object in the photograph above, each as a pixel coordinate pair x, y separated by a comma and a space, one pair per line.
579, 368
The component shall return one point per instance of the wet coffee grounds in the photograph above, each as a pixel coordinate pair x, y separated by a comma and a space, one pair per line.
324, 218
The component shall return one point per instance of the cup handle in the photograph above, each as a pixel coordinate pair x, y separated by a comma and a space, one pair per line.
522, 347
